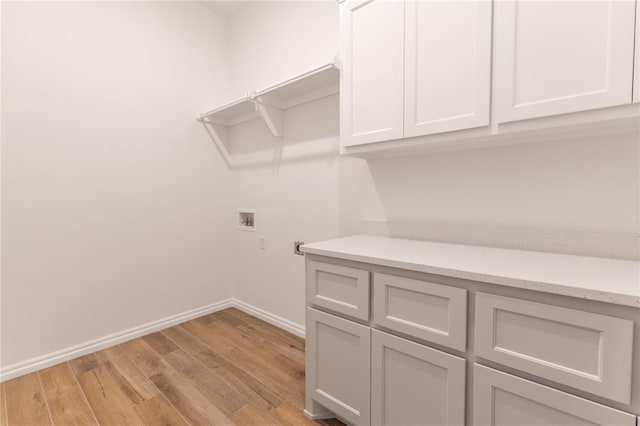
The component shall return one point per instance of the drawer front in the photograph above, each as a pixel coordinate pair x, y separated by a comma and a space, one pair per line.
500, 399
427, 311
338, 288
411, 383
338, 365
583, 350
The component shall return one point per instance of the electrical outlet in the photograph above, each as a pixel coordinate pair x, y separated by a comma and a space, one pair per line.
296, 248
263, 243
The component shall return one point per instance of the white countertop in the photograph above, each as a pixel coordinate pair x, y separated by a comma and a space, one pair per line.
593, 278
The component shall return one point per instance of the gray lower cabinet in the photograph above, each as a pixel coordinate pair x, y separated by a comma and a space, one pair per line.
500, 399
338, 365
378, 352
412, 384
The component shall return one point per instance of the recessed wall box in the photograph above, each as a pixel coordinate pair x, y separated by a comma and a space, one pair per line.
247, 220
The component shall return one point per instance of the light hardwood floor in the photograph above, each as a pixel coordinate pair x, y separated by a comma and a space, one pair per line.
224, 368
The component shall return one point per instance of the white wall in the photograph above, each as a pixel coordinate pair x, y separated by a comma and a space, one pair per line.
294, 184
575, 196
116, 206
273, 40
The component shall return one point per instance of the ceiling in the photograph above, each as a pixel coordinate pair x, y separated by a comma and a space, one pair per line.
224, 7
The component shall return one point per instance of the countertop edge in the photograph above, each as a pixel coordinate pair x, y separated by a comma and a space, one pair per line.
545, 287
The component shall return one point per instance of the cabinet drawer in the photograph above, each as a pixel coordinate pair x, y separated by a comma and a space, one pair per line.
500, 399
583, 350
338, 365
338, 288
427, 311
411, 383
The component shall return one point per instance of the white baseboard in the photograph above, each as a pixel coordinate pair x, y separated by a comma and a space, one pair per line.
53, 358
280, 322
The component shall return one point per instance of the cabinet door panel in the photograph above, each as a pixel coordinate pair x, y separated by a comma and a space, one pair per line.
556, 57
584, 350
372, 51
447, 66
413, 384
500, 399
338, 365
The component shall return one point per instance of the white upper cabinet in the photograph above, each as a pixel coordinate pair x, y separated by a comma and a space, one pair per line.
557, 57
372, 50
447, 66
413, 68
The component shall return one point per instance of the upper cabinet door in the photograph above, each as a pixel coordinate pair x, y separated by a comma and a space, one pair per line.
556, 57
447, 66
372, 51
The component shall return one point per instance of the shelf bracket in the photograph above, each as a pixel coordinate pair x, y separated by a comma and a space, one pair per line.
271, 114
218, 134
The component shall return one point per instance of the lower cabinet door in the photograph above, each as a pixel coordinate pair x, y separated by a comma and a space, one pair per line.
339, 365
500, 399
412, 384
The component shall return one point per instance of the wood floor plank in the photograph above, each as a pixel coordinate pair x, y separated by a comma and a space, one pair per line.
124, 370
185, 340
241, 341
272, 342
160, 343
278, 337
203, 332
64, 396
263, 328
158, 411
234, 374
274, 379
144, 357
187, 400
25, 401
3, 406
290, 415
251, 415
84, 363
293, 368
264, 335
209, 318
123, 383
219, 366
191, 404
215, 390
109, 404
230, 318
260, 355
